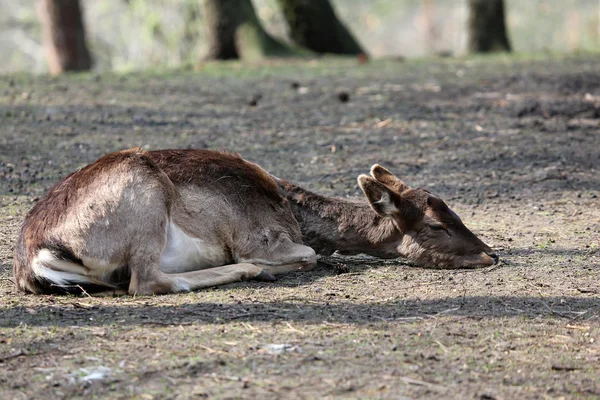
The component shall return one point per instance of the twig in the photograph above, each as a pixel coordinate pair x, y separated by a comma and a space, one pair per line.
383, 123
223, 377
581, 328
72, 286
418, 382
444, 348
495, 267
9, 279
294, 329
211, 350
303, 300
166, 323
404, 319
566, 313
588, 290
422, 317
545, 304
564, 368
237, 316
577, 314
446, 311
83, 291
16, 354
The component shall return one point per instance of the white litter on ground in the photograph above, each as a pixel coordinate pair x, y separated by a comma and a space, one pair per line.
278, 348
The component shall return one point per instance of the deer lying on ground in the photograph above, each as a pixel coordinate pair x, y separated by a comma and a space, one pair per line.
155, 222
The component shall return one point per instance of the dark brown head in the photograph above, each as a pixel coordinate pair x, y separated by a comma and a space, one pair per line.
432, 235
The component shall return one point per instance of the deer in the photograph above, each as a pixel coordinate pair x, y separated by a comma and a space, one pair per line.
167, 221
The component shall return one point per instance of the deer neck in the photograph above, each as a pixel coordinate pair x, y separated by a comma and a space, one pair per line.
348, 226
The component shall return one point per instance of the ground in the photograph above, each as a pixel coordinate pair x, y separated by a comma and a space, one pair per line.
511, 144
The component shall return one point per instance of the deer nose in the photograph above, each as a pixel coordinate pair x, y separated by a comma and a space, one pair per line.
494, 257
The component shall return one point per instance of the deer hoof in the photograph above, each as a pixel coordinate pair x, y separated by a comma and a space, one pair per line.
265, 277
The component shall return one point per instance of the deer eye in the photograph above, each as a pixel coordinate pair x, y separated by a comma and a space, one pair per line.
439, 228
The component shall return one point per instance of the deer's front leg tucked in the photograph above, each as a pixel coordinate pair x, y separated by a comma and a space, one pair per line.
160, 283
297, 257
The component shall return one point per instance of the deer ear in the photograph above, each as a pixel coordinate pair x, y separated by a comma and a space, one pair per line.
388, 179
380, 197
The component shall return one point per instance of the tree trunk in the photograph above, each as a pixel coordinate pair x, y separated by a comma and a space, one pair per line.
314, 25
487, 27
64, 36
234, 31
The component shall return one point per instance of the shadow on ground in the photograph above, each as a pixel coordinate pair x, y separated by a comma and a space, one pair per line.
479, 307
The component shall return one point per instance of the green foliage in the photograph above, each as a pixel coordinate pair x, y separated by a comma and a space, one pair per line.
171, 30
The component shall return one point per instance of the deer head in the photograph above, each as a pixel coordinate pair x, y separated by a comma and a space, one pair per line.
431, 234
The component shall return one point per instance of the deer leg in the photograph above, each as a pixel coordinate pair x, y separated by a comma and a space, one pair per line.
147, 277
159, 282
298, 258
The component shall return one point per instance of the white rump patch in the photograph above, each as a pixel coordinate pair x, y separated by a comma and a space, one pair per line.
185, 253
64, 272
60, 272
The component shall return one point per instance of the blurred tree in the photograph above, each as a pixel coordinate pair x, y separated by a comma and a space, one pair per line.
487, 26
64, 36
234, 31
314, 25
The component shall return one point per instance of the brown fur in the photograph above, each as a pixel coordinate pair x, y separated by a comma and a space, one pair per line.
117, 209
228, 172
48, 213
112, 221
388, 179
432, 234
335, 224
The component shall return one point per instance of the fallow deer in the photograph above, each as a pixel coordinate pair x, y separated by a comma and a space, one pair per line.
154, 222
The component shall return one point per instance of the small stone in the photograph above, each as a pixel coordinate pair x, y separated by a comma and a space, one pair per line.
343, 96
253, 102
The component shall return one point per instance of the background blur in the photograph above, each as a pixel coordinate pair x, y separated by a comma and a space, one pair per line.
136, 34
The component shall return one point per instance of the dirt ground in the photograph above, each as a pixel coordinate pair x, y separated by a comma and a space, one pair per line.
512, 145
